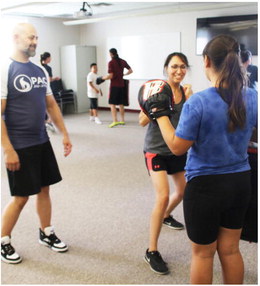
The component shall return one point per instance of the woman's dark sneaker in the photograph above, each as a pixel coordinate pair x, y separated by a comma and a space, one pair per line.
173, 223
154, 259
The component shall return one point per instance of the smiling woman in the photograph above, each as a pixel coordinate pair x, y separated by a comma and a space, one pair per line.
159, 159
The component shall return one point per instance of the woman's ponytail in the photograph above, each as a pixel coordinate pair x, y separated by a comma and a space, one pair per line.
223, 52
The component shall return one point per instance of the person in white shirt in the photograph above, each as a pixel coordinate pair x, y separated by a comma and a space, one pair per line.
93, 92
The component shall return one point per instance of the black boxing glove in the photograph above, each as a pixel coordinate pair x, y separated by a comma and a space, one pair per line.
99, 80
156, 99
159, 104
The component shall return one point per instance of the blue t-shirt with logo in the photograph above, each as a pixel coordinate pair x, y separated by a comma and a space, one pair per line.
204, 120
25, 87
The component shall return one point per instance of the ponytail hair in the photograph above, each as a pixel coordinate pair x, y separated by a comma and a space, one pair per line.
44, 57
224, 54
114, 53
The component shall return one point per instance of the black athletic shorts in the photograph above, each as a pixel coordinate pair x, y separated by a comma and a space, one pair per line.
93, 103
38, 169
171, 164
214, 201
116, 95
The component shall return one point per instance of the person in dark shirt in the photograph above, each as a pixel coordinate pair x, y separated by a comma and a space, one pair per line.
249, 231
252, 70
162, 165
27, 151
115, 73
45, 60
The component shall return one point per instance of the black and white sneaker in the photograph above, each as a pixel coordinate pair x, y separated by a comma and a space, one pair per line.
8, 254
173, 223
49, 238
154, 259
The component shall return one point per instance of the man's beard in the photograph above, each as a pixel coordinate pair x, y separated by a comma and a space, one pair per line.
30, 52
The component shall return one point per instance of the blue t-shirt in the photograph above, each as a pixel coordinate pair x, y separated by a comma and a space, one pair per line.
25, 87
204, 120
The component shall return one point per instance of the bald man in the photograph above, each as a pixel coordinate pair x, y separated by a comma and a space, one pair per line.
28, 154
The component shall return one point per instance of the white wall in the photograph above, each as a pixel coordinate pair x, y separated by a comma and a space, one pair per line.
185, 23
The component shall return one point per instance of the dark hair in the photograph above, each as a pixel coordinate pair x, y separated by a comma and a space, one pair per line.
245, 55
179, 55
93, 64
224, 54
44, 56
114, 53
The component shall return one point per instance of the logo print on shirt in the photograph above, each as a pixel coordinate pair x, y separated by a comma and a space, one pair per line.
23, 83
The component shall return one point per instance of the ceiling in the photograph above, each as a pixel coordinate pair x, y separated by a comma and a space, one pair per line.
70, 11
66, 10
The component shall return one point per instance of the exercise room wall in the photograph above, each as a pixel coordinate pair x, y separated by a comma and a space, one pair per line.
145, 53
184, 23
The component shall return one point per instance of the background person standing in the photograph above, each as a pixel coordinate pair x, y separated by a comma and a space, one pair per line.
117, 91
251, 70
45, 60
93, 92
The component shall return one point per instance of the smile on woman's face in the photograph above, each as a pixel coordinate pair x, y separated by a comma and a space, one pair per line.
176, 70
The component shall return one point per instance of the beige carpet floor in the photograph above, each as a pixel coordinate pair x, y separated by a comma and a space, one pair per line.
101, 209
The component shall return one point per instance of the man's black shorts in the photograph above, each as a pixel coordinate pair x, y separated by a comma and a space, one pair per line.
214, 201
38, 169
